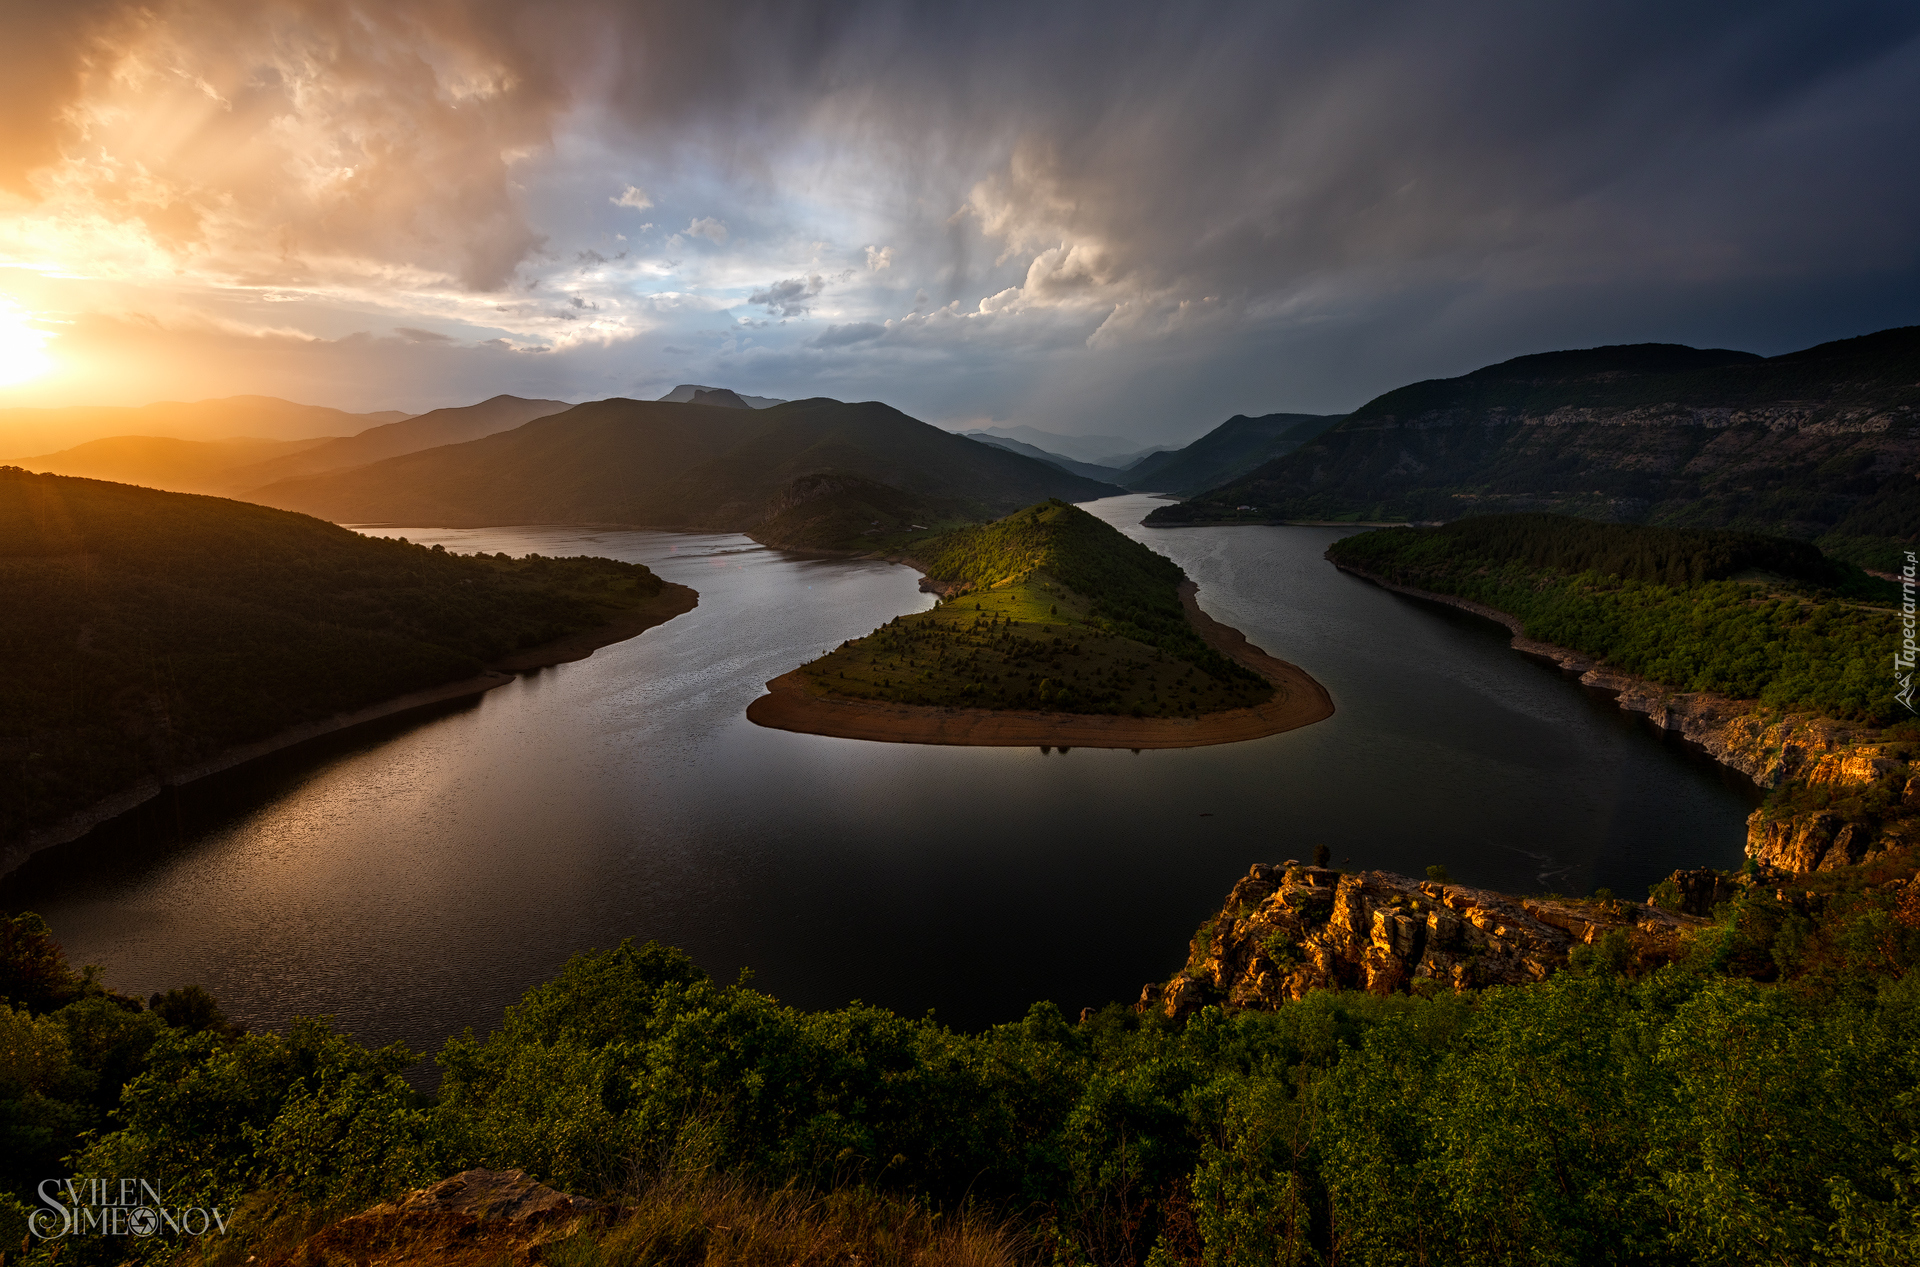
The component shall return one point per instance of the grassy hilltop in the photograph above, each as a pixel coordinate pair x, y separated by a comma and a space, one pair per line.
1048, 608
146, 631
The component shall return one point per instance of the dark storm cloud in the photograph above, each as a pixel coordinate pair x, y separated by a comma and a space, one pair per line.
1265, 205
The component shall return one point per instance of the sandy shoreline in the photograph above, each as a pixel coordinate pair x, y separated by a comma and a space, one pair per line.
674, 600
1298, 701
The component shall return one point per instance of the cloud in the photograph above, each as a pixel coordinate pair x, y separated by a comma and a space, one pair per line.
842, 336
1283, 205
791, 297
412, 335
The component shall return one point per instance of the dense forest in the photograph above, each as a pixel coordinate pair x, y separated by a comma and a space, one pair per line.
1049, 608
147, 631
1738, 614
1752, 1104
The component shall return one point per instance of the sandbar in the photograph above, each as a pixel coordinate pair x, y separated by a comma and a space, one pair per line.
1297, 701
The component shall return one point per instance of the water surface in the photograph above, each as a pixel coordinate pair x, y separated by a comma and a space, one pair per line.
414, 877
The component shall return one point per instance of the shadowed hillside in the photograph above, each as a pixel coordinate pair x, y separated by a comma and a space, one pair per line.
1231, 449
424, 431
232, 467
683, 466
180, 466
1820, 444
146, 631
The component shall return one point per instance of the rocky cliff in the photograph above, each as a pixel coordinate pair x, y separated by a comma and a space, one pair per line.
1869, 801
1289, 929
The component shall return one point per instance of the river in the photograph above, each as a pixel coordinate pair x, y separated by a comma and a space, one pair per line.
414, 877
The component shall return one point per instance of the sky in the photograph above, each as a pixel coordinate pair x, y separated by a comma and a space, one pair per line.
1129, 219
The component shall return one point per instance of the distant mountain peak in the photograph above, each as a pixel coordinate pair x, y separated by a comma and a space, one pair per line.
700, 394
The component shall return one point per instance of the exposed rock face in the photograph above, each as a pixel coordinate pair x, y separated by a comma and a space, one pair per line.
478, 1218
1288, 930
1701, 891
1772, 749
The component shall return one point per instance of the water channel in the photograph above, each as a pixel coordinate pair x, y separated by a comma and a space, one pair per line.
414, 877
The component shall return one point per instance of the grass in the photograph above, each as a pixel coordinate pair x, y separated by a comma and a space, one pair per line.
1029, 644
1057, 611
724, 1222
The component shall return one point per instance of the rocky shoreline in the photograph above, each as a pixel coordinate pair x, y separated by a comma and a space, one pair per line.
1288, 930
1772, 749
673, 600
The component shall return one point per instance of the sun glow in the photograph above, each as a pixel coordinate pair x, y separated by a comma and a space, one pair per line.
23, 348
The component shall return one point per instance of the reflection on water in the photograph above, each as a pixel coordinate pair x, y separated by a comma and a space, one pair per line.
415, 877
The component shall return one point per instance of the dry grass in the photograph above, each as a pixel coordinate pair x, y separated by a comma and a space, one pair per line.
714, 1221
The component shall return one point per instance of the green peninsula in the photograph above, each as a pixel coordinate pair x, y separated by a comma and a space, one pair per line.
1053, 629
1048, 608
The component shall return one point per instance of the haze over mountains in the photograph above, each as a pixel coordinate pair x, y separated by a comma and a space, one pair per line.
24, 431
695, 394
233, 467
426, 431
1233, 448
1820, 444
1091, 470
1115, 452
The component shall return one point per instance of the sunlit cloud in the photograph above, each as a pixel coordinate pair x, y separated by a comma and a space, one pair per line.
1283, 206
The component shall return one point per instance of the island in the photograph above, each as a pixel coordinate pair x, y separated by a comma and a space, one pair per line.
1052, 629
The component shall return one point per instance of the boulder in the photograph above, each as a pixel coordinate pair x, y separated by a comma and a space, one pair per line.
478, 1218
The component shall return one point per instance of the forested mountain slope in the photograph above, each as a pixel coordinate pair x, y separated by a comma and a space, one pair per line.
147, 631
669, 465
1820, 444
1231, 449
430, 430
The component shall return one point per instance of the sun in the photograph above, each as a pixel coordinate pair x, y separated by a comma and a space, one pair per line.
23, 349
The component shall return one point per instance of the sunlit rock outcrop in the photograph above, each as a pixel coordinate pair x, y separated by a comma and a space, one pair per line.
1290, 929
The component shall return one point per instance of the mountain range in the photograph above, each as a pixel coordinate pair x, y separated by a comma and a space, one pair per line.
255, 417
234, 467
663, 464
1114, 452
1231, 449
1821, 444
1091, 470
